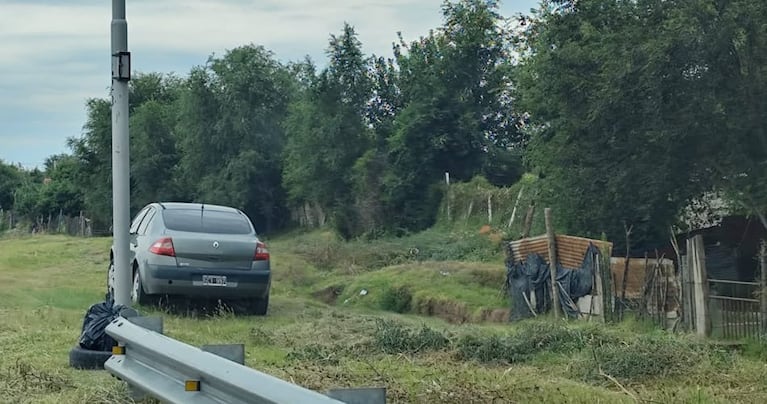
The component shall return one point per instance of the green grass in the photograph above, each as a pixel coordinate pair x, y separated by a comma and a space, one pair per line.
47, 283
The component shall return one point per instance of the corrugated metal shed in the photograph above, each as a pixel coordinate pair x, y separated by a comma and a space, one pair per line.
570, 249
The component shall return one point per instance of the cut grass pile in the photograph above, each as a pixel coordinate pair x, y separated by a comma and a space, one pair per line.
48, 283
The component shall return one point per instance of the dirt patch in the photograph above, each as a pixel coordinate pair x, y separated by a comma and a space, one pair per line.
494, 315
452, 312
329, 295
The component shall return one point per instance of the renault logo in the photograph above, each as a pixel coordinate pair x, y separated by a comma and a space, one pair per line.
215, 244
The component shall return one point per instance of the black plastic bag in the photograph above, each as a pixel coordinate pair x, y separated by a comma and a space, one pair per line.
98, 316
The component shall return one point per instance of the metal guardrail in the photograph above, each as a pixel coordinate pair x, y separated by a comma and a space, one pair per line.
175, 372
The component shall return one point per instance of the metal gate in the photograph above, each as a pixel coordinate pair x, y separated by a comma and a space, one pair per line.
735, 309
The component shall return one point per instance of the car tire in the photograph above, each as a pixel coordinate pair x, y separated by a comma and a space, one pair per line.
110, 280
87, 359
137, 295
259, 307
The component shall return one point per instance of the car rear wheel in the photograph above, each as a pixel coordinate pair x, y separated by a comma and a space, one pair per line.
137, 294
258, 307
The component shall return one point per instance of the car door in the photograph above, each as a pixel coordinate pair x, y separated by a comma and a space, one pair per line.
141, 243
134, 231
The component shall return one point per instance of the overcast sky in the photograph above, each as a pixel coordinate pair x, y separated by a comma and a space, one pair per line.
55, 54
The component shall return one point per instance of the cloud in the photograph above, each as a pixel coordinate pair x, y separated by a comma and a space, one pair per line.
55, 54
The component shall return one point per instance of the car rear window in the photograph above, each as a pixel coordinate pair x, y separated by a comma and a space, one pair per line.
212, 221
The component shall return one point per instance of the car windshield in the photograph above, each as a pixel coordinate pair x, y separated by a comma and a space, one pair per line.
210, 221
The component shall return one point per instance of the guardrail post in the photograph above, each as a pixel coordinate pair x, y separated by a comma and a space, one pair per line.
359, 396
233, 352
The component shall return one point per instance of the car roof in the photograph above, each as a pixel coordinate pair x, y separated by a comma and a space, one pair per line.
196, 206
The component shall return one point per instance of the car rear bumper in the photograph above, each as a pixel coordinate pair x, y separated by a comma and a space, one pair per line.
172, 280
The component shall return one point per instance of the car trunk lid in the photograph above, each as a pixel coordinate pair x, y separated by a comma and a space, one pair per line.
213, 251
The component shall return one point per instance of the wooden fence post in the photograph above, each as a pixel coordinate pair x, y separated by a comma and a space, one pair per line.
552, 241
697, 259
489, 209
447, 194
514, 210
82, 224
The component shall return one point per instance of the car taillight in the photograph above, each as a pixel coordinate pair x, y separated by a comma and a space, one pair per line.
163, 246
262, 254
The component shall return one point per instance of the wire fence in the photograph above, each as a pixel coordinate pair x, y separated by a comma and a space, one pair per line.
80, 225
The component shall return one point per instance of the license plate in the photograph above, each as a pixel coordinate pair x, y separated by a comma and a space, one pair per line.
213, 280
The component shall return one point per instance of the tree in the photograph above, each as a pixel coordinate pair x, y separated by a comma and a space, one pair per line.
730, 66
632, 103
327, 134
93, 151
231, 134
152, 151
457, 112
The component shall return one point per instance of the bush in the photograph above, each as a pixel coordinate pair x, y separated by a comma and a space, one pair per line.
397, 299
756, 349
393, 338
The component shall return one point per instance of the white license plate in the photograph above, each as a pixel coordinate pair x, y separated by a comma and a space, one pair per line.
213, 280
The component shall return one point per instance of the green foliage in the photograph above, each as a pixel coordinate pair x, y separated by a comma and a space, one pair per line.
397, 299
54, 192
756, 348
637, 107
93, 150
231, 133
453, 85
10, 180
624, 111
326, 133
468, 204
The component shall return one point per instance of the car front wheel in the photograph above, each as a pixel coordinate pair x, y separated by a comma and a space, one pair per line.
111, 281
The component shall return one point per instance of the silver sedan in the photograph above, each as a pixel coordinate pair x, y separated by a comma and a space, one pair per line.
197, 251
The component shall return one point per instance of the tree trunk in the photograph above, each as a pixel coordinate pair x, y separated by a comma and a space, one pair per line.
528, 221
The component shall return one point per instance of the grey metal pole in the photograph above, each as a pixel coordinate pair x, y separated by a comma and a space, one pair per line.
120, 155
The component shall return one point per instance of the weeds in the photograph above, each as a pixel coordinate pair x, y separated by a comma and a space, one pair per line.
756, 349
317, 354
23, 378
530, 339
393, 338
651, 356
259, 336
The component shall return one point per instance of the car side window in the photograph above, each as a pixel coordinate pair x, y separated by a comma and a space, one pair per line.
145, 223
137, 220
